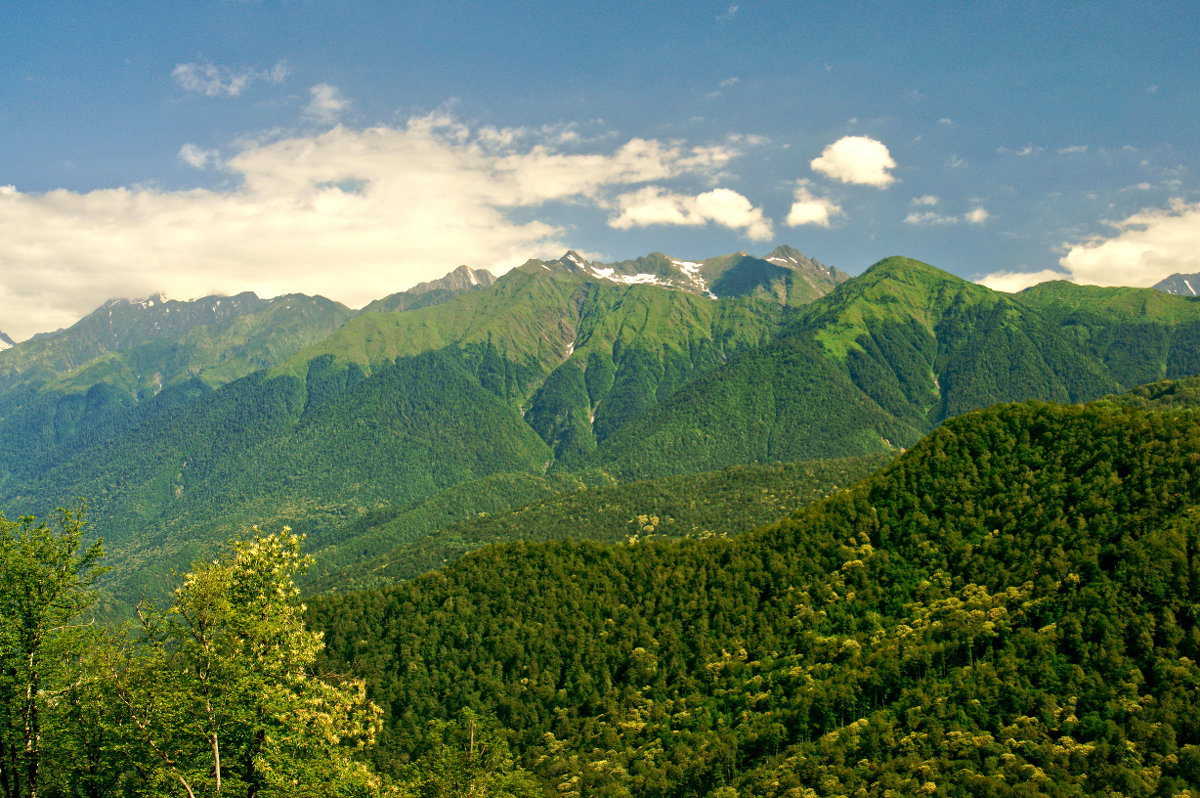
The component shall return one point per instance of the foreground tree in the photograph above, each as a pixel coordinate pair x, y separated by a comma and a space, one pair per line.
218, 695
46, 573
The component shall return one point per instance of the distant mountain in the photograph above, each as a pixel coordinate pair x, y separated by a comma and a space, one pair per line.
122, 326
561, 372
434, 292
785, 274
1180, 285
5, 341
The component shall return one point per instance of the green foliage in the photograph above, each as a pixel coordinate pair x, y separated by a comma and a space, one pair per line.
1009, 609
684, 506
217, 695
45, 577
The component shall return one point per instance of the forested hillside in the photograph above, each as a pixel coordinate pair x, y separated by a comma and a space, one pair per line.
463, 397
412, 541
1009, 609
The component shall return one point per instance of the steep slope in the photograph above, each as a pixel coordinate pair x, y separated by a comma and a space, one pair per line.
578, 355
434, 292
261, 451
1140, 334
129, 361
1009, 609
552, 376
890, 354
1179, 284
391, 409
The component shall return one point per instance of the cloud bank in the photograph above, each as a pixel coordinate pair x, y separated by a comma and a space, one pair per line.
350, 214
1145, 248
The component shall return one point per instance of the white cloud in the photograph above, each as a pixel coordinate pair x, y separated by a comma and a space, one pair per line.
350, 214
929, 218
729, 14
1012, 282
977, 216
655, 205
810, 209
1144, 249
1077, 148
856, 159
214, 80
327, 103
197, 157
1147, 247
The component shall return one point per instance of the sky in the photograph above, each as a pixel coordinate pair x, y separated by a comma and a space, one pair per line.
353, 149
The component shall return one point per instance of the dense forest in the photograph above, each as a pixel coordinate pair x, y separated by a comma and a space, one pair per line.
1009, 609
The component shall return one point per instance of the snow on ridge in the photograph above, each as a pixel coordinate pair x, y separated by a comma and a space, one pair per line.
638, 279
691, 270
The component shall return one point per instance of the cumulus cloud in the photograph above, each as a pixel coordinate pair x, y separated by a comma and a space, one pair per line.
810, 209
214, 80
653, 205
350, 214
327, 103
1012, 282
1144, 248
856, 159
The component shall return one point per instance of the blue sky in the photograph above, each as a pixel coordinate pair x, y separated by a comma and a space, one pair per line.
352, 148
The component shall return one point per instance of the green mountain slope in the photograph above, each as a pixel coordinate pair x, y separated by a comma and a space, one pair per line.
561, 372
259, 451
890, 354
163, 355
1009, 609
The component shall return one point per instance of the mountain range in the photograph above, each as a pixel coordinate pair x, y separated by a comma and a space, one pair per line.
184, 423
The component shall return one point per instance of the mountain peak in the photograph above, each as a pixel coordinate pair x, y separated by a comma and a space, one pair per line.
787, 275
461, 279
1180, 284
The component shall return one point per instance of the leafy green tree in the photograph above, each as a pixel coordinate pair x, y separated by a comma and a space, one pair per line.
218, 695
46, 572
